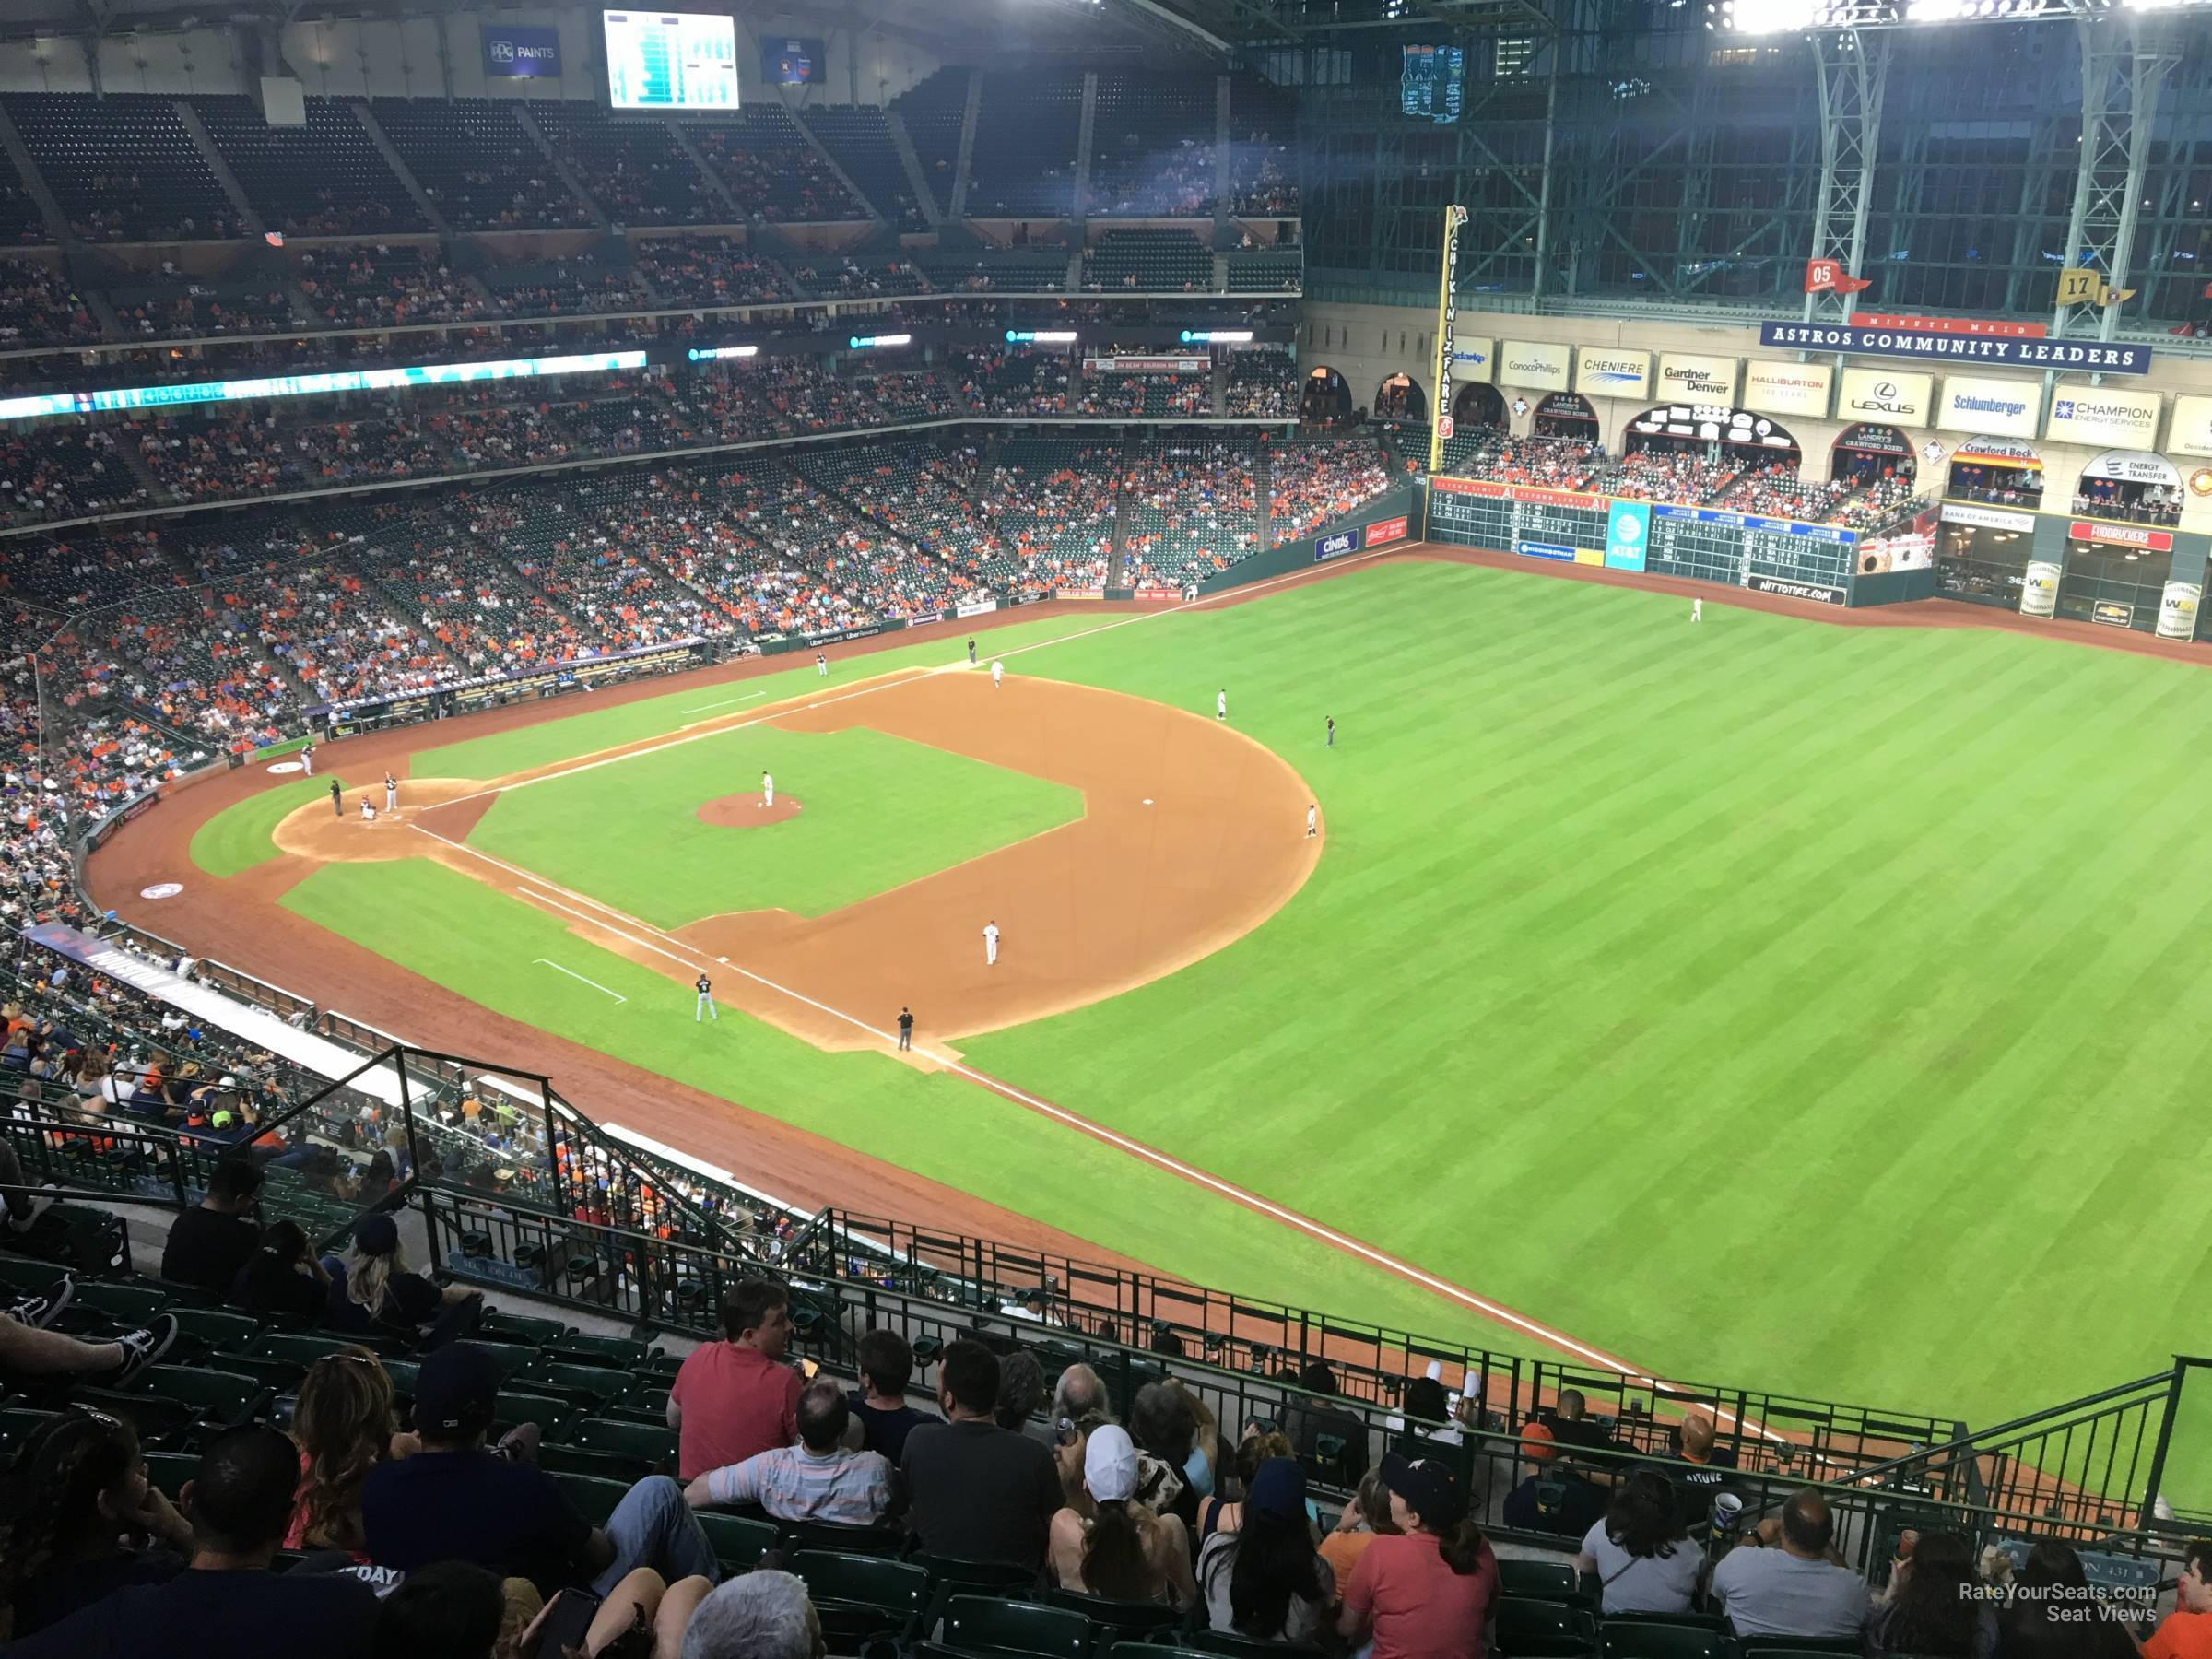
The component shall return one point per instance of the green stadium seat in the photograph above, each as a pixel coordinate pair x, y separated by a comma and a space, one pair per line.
169, 1470
521, 1328
1547, 1581
213, 1328
564, 1459
844, 1540
1793, 1647
302, 1350
738, 1541
1144, 1650
129, 1306
277, 1375
403, 1374
613, 1353
513, 1407
1641, 1639
1228, 1644
222, 1397
581, 1385
984, 1625
654, 1447
157, 1420
511, 1357
594, 1496
951, 1576
1117, 1621
1530, 1628
861, 1598
19, 1276
661, 1364
18, 1424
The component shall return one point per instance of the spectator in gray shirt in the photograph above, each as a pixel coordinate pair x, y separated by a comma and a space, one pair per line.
1787, 1580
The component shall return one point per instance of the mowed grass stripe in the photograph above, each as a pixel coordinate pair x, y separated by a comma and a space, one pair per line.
242, 834
1707, 950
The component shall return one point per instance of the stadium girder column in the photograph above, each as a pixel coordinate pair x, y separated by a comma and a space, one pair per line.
957, 208
400, 170
1853, 69
1085, 127
2123, 60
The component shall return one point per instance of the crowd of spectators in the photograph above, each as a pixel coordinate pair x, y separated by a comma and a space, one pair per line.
1311, 484
696, 270
1191, 510
373, 286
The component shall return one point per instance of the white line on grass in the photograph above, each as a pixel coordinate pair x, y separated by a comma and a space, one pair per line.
894, 677
724, 703
593, 983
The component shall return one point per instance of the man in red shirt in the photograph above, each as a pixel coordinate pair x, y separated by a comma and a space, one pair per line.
735, 1399
2187, 1632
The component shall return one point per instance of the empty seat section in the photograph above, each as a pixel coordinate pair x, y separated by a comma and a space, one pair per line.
632, 164
324, 179
1159, 261
765, 162
1024, 161
931, 114
1152, 144
124, 168
473, 159
860, 138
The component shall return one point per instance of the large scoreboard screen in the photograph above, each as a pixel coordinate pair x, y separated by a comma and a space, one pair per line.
1771, 555
1432, 82
1516, 518
671, 60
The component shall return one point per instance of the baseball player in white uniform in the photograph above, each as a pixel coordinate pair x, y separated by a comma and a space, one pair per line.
990, 944
1221, 704
1312, 827
307, 757
367, 812
391, 794
704, 1007
998, 672
822, 663
1696, 610
767, 789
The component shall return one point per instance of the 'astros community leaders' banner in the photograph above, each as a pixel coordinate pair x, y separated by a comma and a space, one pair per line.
2105, 357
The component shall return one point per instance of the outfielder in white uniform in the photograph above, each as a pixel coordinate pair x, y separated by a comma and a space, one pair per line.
998, 672
990, 944
1696, 610
767, 789
391, 794
1221, 705
704, 1007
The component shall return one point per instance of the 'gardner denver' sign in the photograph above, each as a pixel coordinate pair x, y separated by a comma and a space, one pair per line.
2105, 357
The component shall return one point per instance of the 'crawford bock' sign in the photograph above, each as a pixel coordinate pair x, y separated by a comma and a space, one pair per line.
2102, 357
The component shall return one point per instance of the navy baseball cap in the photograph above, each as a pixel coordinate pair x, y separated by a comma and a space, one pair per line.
456, 1390
376, 1235
1428, 1489
1279, 1489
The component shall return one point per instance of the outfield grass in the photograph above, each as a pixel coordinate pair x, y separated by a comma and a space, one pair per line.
242, 834
1766, 1002
582, 831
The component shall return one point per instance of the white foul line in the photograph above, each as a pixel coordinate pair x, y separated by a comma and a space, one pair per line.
724, 703
593, 983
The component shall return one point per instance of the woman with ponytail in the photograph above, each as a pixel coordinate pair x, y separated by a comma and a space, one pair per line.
1264, 1579
76, 1488
1125, 1551
345, 1426
1428, 1593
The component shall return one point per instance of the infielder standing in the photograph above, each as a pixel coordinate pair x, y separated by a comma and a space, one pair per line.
1696, 610
767, 789
704, 1007
821, 662
971, 651
906, 1030
990, 944
998, 672
1221, 704
391, 794
1310, 830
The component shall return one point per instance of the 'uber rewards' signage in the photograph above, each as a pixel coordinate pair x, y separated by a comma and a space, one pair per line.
1605, 372
1886, 396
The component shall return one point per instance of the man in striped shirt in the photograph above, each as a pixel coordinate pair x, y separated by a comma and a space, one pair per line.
816, 1480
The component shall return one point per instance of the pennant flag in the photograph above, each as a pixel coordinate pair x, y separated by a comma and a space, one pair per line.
2113, 295
1823, 275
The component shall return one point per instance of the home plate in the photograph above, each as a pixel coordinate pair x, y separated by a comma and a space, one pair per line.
724, 960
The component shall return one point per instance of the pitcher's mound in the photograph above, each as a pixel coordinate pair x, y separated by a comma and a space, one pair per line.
746, 812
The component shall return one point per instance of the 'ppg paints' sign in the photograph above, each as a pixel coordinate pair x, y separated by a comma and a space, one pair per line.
516, 54
1335, 546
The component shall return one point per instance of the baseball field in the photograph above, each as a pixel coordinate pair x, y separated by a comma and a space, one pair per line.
1760, 1000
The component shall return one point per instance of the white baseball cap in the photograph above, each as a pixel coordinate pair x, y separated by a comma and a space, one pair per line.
1109, 1463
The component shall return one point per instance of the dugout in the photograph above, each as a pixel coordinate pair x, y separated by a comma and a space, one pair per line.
2001, 471
1712, 433
1400, 397
1477, 405
1567, 414
1324, 398
1866, 454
